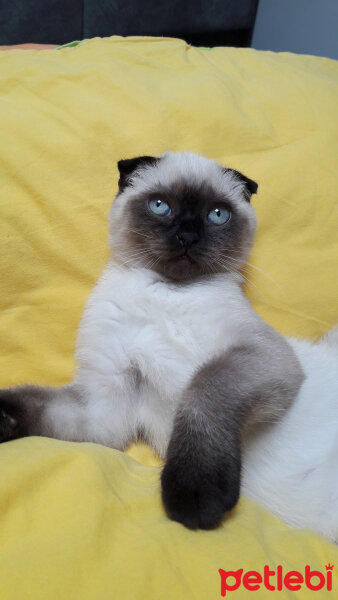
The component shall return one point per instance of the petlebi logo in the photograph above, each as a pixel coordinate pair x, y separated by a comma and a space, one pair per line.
275, 580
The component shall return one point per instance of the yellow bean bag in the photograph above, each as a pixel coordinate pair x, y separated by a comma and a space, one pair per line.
81, 521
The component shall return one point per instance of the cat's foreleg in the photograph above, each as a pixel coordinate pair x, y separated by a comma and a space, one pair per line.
201, 478
66, 413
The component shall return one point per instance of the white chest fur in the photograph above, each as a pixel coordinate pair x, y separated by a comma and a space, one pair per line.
141, 339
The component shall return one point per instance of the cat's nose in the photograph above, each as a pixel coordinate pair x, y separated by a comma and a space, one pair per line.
187, 238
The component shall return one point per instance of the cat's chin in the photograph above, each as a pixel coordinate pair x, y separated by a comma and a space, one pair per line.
181, 268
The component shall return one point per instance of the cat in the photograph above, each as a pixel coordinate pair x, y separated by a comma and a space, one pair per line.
170, 351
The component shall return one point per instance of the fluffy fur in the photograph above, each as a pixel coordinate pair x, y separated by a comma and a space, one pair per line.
169, 350
290, 466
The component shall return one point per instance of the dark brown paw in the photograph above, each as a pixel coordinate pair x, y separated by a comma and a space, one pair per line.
9, 418
19, 410
197, 494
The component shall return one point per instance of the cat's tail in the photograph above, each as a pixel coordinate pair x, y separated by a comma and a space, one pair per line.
58, 412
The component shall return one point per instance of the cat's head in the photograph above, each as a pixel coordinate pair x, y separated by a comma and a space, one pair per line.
182, 215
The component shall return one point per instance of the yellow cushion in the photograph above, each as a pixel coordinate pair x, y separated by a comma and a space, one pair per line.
85, 522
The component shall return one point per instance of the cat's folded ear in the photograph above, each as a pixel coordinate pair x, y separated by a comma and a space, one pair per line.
251, 186
128, 166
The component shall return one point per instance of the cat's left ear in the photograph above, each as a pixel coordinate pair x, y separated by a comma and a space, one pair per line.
128, 166
251, 186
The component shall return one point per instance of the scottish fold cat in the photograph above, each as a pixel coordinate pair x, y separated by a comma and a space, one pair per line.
170, 351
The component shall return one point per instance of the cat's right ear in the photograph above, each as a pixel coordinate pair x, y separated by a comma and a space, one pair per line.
128, 166
251, 186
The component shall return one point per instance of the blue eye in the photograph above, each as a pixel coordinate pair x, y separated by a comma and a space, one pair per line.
219, 216
160, 208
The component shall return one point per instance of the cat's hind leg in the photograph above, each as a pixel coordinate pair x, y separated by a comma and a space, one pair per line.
66, 413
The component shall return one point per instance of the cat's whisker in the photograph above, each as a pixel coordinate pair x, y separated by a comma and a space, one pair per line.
262, 272
234, 261
137, 251
152, 262
144, 235
132, 260
135, 255
225, 267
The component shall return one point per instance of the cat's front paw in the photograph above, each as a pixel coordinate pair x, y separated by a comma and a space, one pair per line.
196, 494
